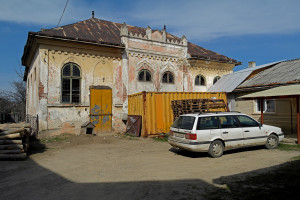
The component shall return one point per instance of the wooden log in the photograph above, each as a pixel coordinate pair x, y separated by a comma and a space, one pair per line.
19, 130
11, 136
10, 142
11, 146
20, 156
14, 151
15, 125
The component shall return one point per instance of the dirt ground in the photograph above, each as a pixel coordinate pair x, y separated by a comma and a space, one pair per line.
122, 167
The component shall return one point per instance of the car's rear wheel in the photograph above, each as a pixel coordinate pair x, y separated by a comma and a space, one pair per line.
216, 149
272, 142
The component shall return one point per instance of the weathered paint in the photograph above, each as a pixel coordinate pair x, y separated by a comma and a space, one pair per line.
101, 109
155, 108
113, 67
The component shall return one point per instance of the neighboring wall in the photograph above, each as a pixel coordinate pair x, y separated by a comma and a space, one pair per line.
283, 117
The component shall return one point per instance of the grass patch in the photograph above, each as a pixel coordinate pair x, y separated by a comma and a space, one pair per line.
161, 139
289, 147
129, 136
58, 138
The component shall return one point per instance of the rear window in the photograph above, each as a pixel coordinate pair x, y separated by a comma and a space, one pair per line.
184, 122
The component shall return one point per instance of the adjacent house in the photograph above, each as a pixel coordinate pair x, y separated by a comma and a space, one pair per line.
84, 71
280, 111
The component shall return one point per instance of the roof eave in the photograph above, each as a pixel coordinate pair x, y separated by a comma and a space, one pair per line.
236, 63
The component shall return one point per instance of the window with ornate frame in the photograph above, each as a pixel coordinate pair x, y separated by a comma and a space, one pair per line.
145, 76
71, 81
200, 80
216, 79
168, 77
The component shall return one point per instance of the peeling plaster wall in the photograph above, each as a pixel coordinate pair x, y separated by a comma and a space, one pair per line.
208, 69
97, 68
157, 57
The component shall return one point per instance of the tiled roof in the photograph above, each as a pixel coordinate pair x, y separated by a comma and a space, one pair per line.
106, 32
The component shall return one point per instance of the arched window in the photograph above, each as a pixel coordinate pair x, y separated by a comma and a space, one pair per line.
200, 80
71, 83
145, 76
216, 79
168, 77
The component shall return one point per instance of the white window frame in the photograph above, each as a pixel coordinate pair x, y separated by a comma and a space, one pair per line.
256, 104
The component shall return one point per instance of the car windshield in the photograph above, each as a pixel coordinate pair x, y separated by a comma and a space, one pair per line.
184, 122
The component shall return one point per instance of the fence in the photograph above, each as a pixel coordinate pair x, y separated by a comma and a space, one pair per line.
34, 122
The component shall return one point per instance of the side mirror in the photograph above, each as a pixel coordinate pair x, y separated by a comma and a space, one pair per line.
260, 125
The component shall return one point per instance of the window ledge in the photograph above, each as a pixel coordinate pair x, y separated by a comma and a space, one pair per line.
68, 105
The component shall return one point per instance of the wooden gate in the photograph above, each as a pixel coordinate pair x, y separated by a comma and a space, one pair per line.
101, 108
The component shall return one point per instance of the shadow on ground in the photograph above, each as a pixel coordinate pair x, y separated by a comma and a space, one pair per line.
278, 182
205, 154
28, 180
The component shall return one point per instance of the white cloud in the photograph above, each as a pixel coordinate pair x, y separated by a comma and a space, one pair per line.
197, 19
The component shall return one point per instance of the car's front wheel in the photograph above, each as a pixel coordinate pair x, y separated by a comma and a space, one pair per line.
272, 142
216, 149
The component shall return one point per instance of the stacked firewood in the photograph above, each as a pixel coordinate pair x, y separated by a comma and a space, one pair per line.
14, 140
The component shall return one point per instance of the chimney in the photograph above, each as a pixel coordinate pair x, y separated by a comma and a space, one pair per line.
251, 64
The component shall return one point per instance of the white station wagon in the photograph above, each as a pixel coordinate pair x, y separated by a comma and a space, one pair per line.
216, 132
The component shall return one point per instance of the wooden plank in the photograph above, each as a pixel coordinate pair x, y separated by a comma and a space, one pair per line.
20, 156
10, 142
15, 151
19, 130
11, 136
10, 147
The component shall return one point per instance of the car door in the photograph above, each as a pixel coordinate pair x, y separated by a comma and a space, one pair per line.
254, 134
207, 128
231, 132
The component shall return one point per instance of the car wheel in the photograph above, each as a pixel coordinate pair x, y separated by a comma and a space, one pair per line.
216, 149
272, 142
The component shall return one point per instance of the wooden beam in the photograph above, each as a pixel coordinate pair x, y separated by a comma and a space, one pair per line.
261, 111
298, 121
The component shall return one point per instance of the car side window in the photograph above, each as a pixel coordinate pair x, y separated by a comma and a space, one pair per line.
208, 123
246, 121
228, 122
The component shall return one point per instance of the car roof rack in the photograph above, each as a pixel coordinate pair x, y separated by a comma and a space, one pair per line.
217, 112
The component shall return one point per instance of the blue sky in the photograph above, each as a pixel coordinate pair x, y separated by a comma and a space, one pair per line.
258, 30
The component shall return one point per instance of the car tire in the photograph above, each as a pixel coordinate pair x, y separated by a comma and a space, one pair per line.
216, 149
272, 142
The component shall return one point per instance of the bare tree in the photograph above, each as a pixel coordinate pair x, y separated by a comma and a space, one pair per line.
14, 101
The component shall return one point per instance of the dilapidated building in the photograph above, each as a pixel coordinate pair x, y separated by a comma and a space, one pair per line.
84, 71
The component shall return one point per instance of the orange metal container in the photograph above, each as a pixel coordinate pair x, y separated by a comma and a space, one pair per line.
155, 108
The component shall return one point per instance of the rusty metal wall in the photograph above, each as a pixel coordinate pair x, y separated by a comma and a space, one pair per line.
155, 108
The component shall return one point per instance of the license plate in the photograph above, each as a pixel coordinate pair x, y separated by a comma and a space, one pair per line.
180, 135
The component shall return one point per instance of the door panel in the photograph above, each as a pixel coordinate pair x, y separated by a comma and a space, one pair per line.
231, 132
101, 109
253, 133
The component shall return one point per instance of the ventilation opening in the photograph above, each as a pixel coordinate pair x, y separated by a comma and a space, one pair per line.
89, 130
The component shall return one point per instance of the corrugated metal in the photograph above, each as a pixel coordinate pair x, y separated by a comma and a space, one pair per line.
284, 72
231, 81
155, 108
289, 90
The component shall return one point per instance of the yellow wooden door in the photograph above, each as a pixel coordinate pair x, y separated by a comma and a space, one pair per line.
101, 109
